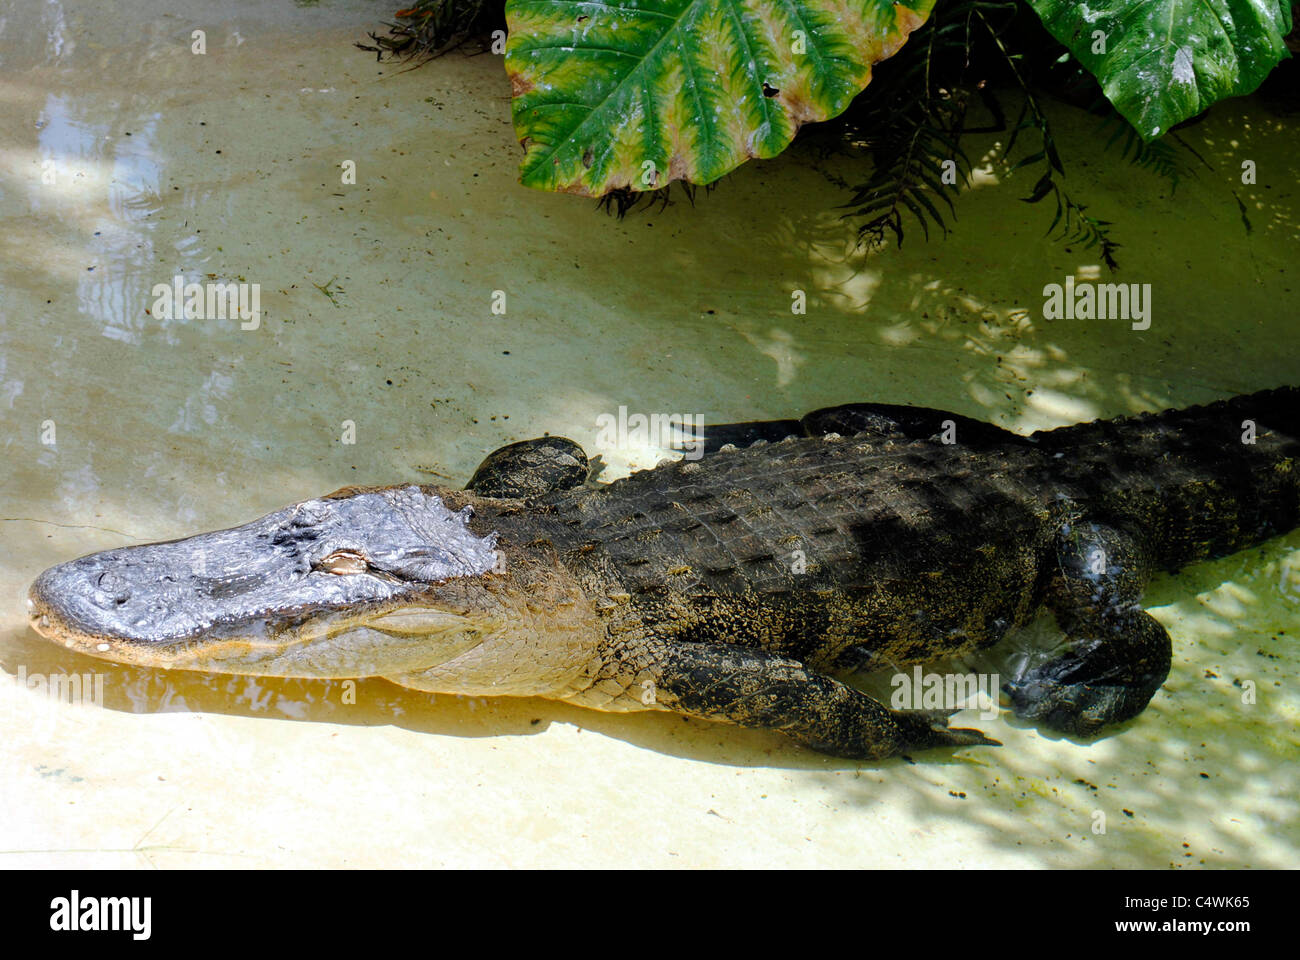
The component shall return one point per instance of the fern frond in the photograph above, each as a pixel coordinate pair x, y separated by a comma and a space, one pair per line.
1076, 225
1158, 156
619, 203
430, 28
911, 121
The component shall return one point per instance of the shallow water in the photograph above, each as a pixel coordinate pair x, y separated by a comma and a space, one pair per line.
377, 309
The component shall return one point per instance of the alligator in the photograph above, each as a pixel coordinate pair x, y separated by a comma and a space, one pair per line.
738, 586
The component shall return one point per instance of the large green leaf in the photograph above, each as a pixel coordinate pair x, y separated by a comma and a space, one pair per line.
638, 93
1164, 61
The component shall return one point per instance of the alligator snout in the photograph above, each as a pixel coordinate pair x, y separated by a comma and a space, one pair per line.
298, 591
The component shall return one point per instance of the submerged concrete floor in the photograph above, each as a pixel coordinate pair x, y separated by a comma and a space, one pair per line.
376, 303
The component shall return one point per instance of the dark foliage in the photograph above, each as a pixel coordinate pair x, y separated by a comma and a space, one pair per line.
909, 122
428, 28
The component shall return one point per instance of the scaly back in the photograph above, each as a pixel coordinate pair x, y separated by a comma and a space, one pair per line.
1194, 484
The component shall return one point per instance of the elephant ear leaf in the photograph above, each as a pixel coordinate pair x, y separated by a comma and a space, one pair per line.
633, 94
1162, 62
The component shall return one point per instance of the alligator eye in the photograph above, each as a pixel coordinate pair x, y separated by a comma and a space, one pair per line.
113, 588
342, 562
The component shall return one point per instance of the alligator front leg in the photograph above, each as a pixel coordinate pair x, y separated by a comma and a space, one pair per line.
1119, 654
530, 468
754, 688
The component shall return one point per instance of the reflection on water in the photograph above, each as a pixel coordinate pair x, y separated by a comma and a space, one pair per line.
126, 160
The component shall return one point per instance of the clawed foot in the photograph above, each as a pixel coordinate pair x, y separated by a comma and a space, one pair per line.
922, 729
1057, 696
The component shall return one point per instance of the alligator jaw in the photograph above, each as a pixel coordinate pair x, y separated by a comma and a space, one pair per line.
362, 584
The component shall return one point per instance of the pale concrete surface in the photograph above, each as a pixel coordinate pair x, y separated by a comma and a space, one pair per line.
163, 428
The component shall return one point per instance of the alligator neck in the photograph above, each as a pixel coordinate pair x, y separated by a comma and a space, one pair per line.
1197, 483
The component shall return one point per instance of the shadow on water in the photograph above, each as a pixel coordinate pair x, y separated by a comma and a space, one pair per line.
376, 702
1191, 781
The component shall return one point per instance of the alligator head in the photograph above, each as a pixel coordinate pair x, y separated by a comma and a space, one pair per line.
358, 583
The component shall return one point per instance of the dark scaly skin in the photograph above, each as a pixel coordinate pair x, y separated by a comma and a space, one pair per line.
915, 550
733, 588
530, 468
